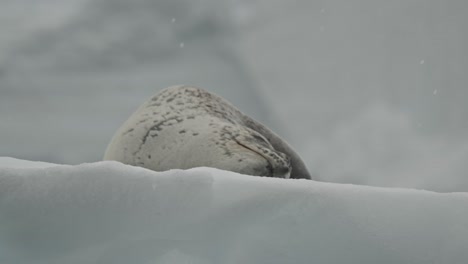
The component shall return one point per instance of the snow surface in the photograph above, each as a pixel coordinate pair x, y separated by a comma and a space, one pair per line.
8, 162
107, 212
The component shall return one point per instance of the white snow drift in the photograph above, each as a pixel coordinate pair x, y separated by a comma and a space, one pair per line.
107, 212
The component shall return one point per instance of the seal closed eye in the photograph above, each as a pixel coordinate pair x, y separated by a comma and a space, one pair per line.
184, 127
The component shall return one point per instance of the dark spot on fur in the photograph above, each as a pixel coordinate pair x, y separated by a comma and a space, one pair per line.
158, 127
182, 131
195, 134
149, 156
142, 121
128, 131
227, 153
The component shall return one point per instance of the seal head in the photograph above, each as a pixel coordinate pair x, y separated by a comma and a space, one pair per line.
184, 127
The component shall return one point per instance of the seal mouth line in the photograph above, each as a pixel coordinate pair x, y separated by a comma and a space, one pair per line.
270, 167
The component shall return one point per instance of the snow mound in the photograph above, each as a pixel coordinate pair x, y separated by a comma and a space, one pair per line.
107, 212
7, 162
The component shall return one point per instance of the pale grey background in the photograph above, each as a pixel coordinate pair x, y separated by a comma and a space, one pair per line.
368, 92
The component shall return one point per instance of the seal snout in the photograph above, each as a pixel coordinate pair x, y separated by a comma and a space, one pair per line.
279, 164
282, 172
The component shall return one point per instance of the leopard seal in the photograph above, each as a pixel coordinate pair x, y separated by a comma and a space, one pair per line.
183, 127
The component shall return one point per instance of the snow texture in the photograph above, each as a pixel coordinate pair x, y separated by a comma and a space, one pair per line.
107, 212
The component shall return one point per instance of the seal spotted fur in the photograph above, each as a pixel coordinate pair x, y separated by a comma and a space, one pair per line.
184, 127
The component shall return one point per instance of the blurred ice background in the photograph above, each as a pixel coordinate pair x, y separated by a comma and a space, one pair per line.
368, 91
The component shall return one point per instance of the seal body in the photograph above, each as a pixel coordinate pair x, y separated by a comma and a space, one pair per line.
184, 127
